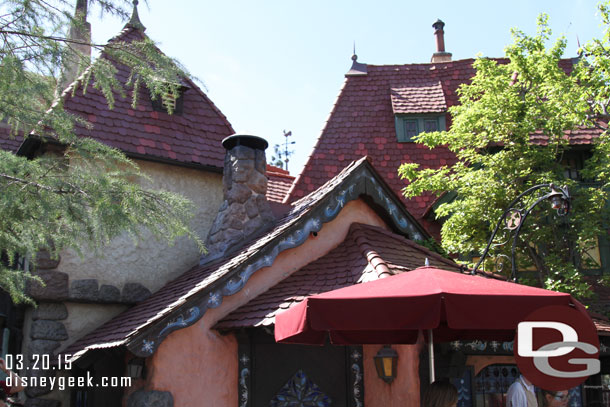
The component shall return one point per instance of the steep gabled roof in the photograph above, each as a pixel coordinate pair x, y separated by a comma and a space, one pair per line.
183, 301
192, 138
362, 122
9, 142
367, 253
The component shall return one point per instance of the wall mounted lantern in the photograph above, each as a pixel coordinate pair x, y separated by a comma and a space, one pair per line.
385, 363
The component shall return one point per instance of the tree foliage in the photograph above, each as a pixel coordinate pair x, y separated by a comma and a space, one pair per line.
84, 193
511, 132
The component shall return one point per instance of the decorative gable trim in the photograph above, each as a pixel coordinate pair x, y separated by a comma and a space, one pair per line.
185, 300
363, 181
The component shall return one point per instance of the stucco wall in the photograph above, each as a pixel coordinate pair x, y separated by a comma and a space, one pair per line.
198, 364
83, 318
404, 390
151, 262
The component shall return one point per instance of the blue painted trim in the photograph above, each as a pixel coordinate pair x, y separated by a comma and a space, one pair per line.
361, 180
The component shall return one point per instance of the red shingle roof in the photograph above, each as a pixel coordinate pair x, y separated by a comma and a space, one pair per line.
362, 123
190, 287
602, 326
419, 97
367, 253
580, 136
7, 141
279, 183
193, 137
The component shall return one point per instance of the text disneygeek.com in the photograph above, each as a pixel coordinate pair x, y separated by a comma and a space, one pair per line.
46, 363
63, 382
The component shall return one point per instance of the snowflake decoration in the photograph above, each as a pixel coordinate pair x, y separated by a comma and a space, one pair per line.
148, 346
214, 298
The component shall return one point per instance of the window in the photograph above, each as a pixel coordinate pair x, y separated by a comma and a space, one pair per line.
409, 126
174, 102
573, 162
177, 104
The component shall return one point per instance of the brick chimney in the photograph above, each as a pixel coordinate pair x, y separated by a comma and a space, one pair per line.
245, 211
78, 51
440, 55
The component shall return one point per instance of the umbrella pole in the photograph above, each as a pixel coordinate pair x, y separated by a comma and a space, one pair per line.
431, 355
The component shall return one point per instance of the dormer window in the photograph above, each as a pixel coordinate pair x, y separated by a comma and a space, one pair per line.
409, 126
418, 107
176, 104
573, 161
171, 103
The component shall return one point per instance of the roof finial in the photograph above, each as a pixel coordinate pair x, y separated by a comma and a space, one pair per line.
427, 263
357, 67
135, 22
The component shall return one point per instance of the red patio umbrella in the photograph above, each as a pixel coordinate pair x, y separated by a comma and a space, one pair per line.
449, 305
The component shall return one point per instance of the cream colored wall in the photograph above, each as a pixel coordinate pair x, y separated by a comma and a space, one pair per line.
83, 318
151, 262
198, 363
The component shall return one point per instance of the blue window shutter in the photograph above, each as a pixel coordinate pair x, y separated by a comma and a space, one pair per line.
442, 124
400, 129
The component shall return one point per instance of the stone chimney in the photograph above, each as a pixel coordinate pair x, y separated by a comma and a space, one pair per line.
245, 211
440, 55
78, 51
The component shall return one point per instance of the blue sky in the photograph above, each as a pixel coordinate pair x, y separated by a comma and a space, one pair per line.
279, 65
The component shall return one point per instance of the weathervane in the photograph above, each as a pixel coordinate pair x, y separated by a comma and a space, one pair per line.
287, 153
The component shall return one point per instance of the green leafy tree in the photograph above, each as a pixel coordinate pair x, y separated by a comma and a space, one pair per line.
84, 193
509, 134
276, 158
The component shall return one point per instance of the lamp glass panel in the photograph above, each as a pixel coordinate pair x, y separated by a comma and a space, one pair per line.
387, 366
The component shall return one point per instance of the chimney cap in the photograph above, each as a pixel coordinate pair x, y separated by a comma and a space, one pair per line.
438, 25
255, 142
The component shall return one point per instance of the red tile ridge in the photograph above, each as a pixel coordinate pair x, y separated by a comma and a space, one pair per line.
276, 169
430, 64
279, 175
415, 245
371, 255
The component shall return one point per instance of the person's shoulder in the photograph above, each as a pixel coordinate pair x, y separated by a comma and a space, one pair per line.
515, 390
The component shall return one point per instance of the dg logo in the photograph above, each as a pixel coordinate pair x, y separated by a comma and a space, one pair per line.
557, 347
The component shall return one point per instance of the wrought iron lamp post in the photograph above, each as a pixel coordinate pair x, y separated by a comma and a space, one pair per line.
516, 214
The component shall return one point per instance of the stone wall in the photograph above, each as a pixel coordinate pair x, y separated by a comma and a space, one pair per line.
82, 293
